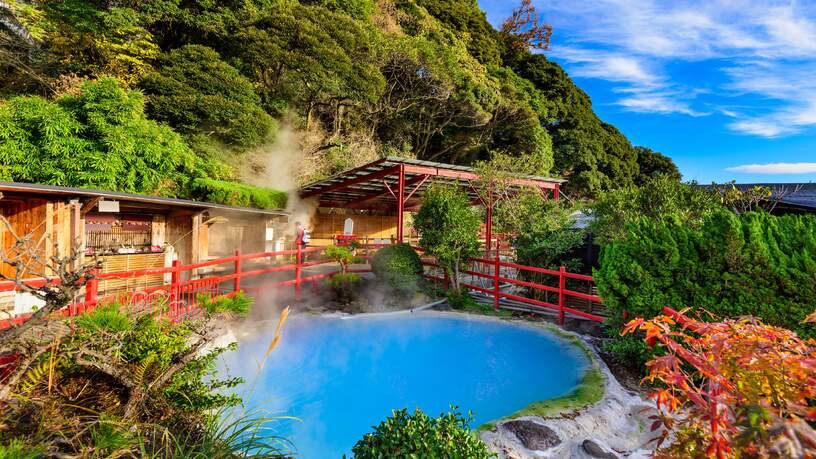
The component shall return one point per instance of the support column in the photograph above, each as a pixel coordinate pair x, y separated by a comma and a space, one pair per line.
400, 203
556, 192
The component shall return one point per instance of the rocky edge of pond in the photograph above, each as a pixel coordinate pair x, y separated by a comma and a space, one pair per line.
617, 426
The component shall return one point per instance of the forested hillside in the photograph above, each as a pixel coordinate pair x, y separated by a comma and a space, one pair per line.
187, 97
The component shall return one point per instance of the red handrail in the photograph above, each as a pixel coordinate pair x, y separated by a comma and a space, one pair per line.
182, 294
497, 278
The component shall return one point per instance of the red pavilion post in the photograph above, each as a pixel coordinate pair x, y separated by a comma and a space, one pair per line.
400, 203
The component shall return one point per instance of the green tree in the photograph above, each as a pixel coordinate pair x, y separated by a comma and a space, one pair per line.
544, 231
195, 91
95, 41
593, 154
99, 139
651, 164
468, 20
358, 9
448, 227
311, 57
659, 196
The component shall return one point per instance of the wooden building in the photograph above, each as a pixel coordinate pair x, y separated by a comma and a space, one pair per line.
130, 231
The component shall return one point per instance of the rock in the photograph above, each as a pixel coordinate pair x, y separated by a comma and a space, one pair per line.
594, 449
532, 435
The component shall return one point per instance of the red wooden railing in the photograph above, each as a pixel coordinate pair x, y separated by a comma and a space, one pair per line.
496, 272
179, 298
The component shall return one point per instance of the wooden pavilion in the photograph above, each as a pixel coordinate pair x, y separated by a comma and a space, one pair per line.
383, 191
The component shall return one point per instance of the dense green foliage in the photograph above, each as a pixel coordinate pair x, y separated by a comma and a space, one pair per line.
543, 231
659, 196
448, 228
238, 194
238, 304
344, 256
404, 436
99, 139
399, 266
194, 90
730, 265
428, 78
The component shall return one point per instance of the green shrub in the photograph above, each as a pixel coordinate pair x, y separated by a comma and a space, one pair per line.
658, 196
345, 286
99, 138
629, 350
752, 264
399, 266
106, 317
237, 194
238, 304
461, 300
416, 435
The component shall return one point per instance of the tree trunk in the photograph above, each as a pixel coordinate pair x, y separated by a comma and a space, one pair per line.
309, 115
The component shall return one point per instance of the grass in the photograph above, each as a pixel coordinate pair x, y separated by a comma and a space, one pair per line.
485, 310
588, 392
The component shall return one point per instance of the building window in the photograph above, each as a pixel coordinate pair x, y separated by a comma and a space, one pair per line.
118, 233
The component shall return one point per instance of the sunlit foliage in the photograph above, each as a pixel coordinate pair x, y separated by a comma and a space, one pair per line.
730, 265
731, 389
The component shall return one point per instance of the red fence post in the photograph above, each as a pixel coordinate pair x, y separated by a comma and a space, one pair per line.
562, 282
91, 291
175, 287
447, 279
298, 258
400, 204
236, 284
496, 274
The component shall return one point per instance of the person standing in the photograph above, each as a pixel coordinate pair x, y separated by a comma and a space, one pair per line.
302, 238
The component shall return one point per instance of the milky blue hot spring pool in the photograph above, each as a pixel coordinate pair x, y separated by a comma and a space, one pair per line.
341, 376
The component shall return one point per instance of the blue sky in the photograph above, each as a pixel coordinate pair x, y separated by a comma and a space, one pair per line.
726, 88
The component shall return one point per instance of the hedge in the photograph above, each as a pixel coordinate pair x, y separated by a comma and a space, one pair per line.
732, 265
238, 194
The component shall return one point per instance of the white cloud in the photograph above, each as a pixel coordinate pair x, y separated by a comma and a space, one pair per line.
764, 128
775, 168
657, 102
768, 46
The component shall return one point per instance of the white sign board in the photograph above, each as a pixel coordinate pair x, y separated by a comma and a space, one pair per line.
108, 206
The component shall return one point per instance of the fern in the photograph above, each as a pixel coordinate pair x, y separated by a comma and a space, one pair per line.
142, 367
34, 376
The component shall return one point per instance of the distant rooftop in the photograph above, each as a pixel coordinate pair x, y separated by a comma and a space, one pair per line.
793, 195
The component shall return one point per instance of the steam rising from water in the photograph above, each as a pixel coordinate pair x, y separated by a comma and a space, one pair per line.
278, 166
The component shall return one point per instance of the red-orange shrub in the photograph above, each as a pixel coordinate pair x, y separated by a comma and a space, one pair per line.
737, 388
